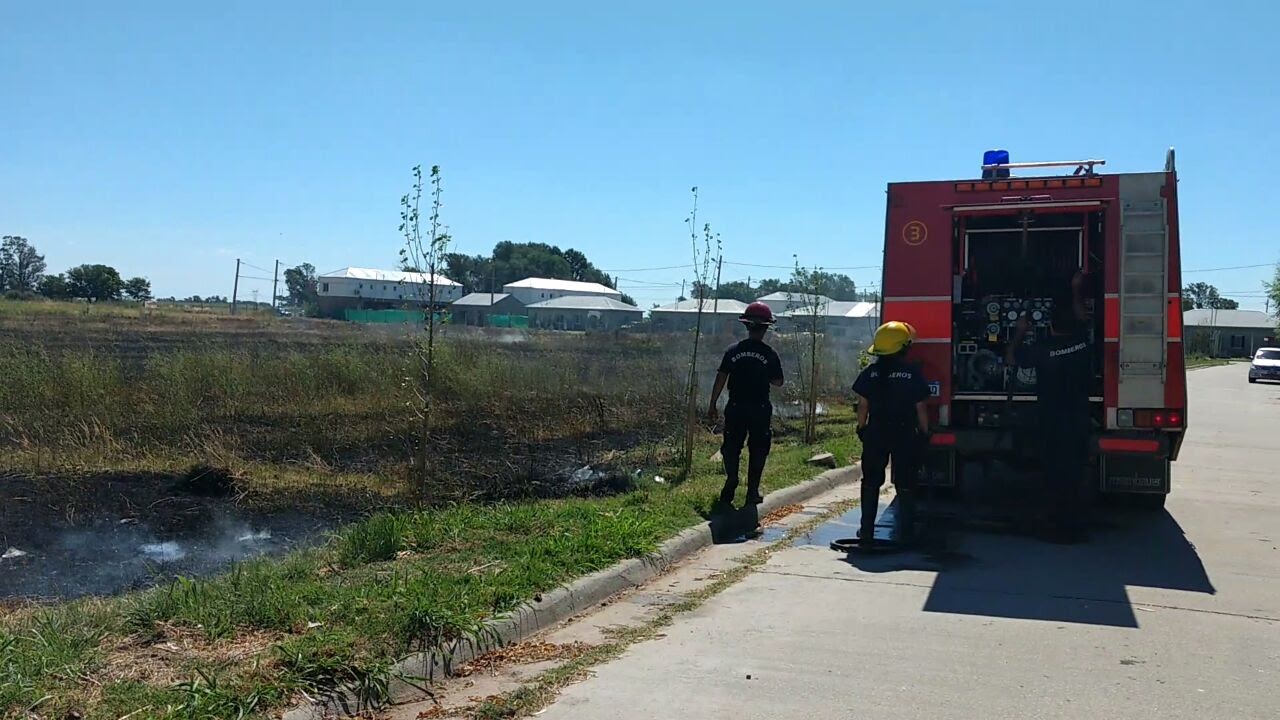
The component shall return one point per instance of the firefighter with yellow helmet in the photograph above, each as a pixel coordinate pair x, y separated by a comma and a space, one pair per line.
892, 424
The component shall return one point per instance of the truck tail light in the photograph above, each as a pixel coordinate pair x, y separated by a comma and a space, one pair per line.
1149, 418
944, 439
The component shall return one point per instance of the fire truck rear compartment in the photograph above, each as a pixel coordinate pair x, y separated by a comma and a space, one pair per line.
1007, 265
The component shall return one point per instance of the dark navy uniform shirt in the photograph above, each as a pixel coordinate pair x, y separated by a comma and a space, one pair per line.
751, 366
892, 389
1064, 376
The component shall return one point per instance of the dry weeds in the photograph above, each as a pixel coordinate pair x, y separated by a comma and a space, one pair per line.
522, 654
780, 513
166, 656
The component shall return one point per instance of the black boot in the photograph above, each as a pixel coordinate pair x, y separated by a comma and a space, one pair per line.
755, 472
726, 494
870, 506
905, 519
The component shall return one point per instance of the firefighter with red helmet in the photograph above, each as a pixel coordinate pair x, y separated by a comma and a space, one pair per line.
749, 369
892, 424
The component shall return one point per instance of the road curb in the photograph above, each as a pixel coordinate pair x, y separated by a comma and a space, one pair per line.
564, 602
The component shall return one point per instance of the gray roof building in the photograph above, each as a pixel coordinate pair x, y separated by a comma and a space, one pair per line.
837, 308
489, 310
1227, 333
583, 302
780, 302
1229, 319
718, 316
736, 307
582, 312
481, 299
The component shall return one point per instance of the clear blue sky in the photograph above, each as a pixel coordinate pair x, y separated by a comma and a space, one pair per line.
169, 138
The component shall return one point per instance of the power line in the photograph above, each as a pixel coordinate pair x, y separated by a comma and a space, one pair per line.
740, 264
669, 267
646, 282
792, 267
255, 267
1237, 267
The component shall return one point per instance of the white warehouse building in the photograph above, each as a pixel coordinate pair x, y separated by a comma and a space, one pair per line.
535, 290
367, 288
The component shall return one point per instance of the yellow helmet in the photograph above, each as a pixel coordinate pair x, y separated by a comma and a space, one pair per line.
891, 338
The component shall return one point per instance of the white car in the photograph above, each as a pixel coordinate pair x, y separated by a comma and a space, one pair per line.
1266, 365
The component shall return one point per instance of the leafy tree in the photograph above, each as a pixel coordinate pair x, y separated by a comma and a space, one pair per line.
580, 267
138, 288
21, 267
54, 287
837, 286
769, 286
1200, 296
94, 282
511, 261
628, 299
300, 286
1273, 292
738, 290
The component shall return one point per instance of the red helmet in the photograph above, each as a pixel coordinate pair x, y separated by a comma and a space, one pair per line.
757, 313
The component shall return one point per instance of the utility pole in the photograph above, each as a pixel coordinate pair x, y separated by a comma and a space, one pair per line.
235, 288
275, 282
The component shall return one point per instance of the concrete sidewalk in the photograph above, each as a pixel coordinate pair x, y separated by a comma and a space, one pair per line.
1169, 615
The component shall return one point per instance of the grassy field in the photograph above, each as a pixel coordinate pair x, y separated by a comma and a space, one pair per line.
318, 415
251, 640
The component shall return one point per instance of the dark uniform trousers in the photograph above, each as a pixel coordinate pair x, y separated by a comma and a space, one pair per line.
1065, 457
745, 423
880, 445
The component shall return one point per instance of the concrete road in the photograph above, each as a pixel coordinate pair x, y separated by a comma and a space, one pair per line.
1172, 615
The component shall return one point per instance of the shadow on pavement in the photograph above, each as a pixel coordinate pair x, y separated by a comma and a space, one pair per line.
1015, 576
730, 526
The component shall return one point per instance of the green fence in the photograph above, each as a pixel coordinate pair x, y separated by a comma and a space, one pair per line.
509, 321
391, 317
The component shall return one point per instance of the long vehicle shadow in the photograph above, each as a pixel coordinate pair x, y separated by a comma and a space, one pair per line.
1014, 576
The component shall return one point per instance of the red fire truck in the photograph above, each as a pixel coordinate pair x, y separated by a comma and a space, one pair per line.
964, 259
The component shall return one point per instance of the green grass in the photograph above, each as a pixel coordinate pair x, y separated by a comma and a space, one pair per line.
343, 613
37, 307
506, 417
1200, 361
297, 417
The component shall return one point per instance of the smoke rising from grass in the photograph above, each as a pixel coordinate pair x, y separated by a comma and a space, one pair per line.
106, 557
